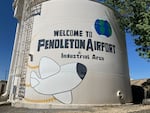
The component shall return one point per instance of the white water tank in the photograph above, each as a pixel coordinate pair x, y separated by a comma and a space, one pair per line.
68, 52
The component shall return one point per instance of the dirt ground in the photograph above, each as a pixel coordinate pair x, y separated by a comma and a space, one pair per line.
96, 109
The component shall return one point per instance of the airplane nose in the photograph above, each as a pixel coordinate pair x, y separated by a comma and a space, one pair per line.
81, 70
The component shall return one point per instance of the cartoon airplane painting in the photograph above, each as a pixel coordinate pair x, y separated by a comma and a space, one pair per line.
57, 80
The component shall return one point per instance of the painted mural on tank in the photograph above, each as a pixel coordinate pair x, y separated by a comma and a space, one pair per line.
57, 80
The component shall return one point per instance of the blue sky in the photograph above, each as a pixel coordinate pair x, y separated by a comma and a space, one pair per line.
139, 68
7, 34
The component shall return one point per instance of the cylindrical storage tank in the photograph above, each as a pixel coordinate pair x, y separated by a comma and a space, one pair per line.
77, 56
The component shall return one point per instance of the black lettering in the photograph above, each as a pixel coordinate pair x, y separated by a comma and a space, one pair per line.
51, 43
56, 33
99, 46
46, 44
66, 43
107, 49
77, 43
81, 33
40, 44
71, 43
61, 43
76, 33
68, 33
103, 46
89, 45
82, 44
57, 43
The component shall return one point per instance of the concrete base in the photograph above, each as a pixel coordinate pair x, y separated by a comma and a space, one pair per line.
60, 106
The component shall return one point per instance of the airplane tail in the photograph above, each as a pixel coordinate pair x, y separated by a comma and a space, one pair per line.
35, 80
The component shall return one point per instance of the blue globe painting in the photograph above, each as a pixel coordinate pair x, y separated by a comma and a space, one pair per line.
102, 27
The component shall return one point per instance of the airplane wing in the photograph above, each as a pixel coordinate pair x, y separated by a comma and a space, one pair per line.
48, 67
65, 97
